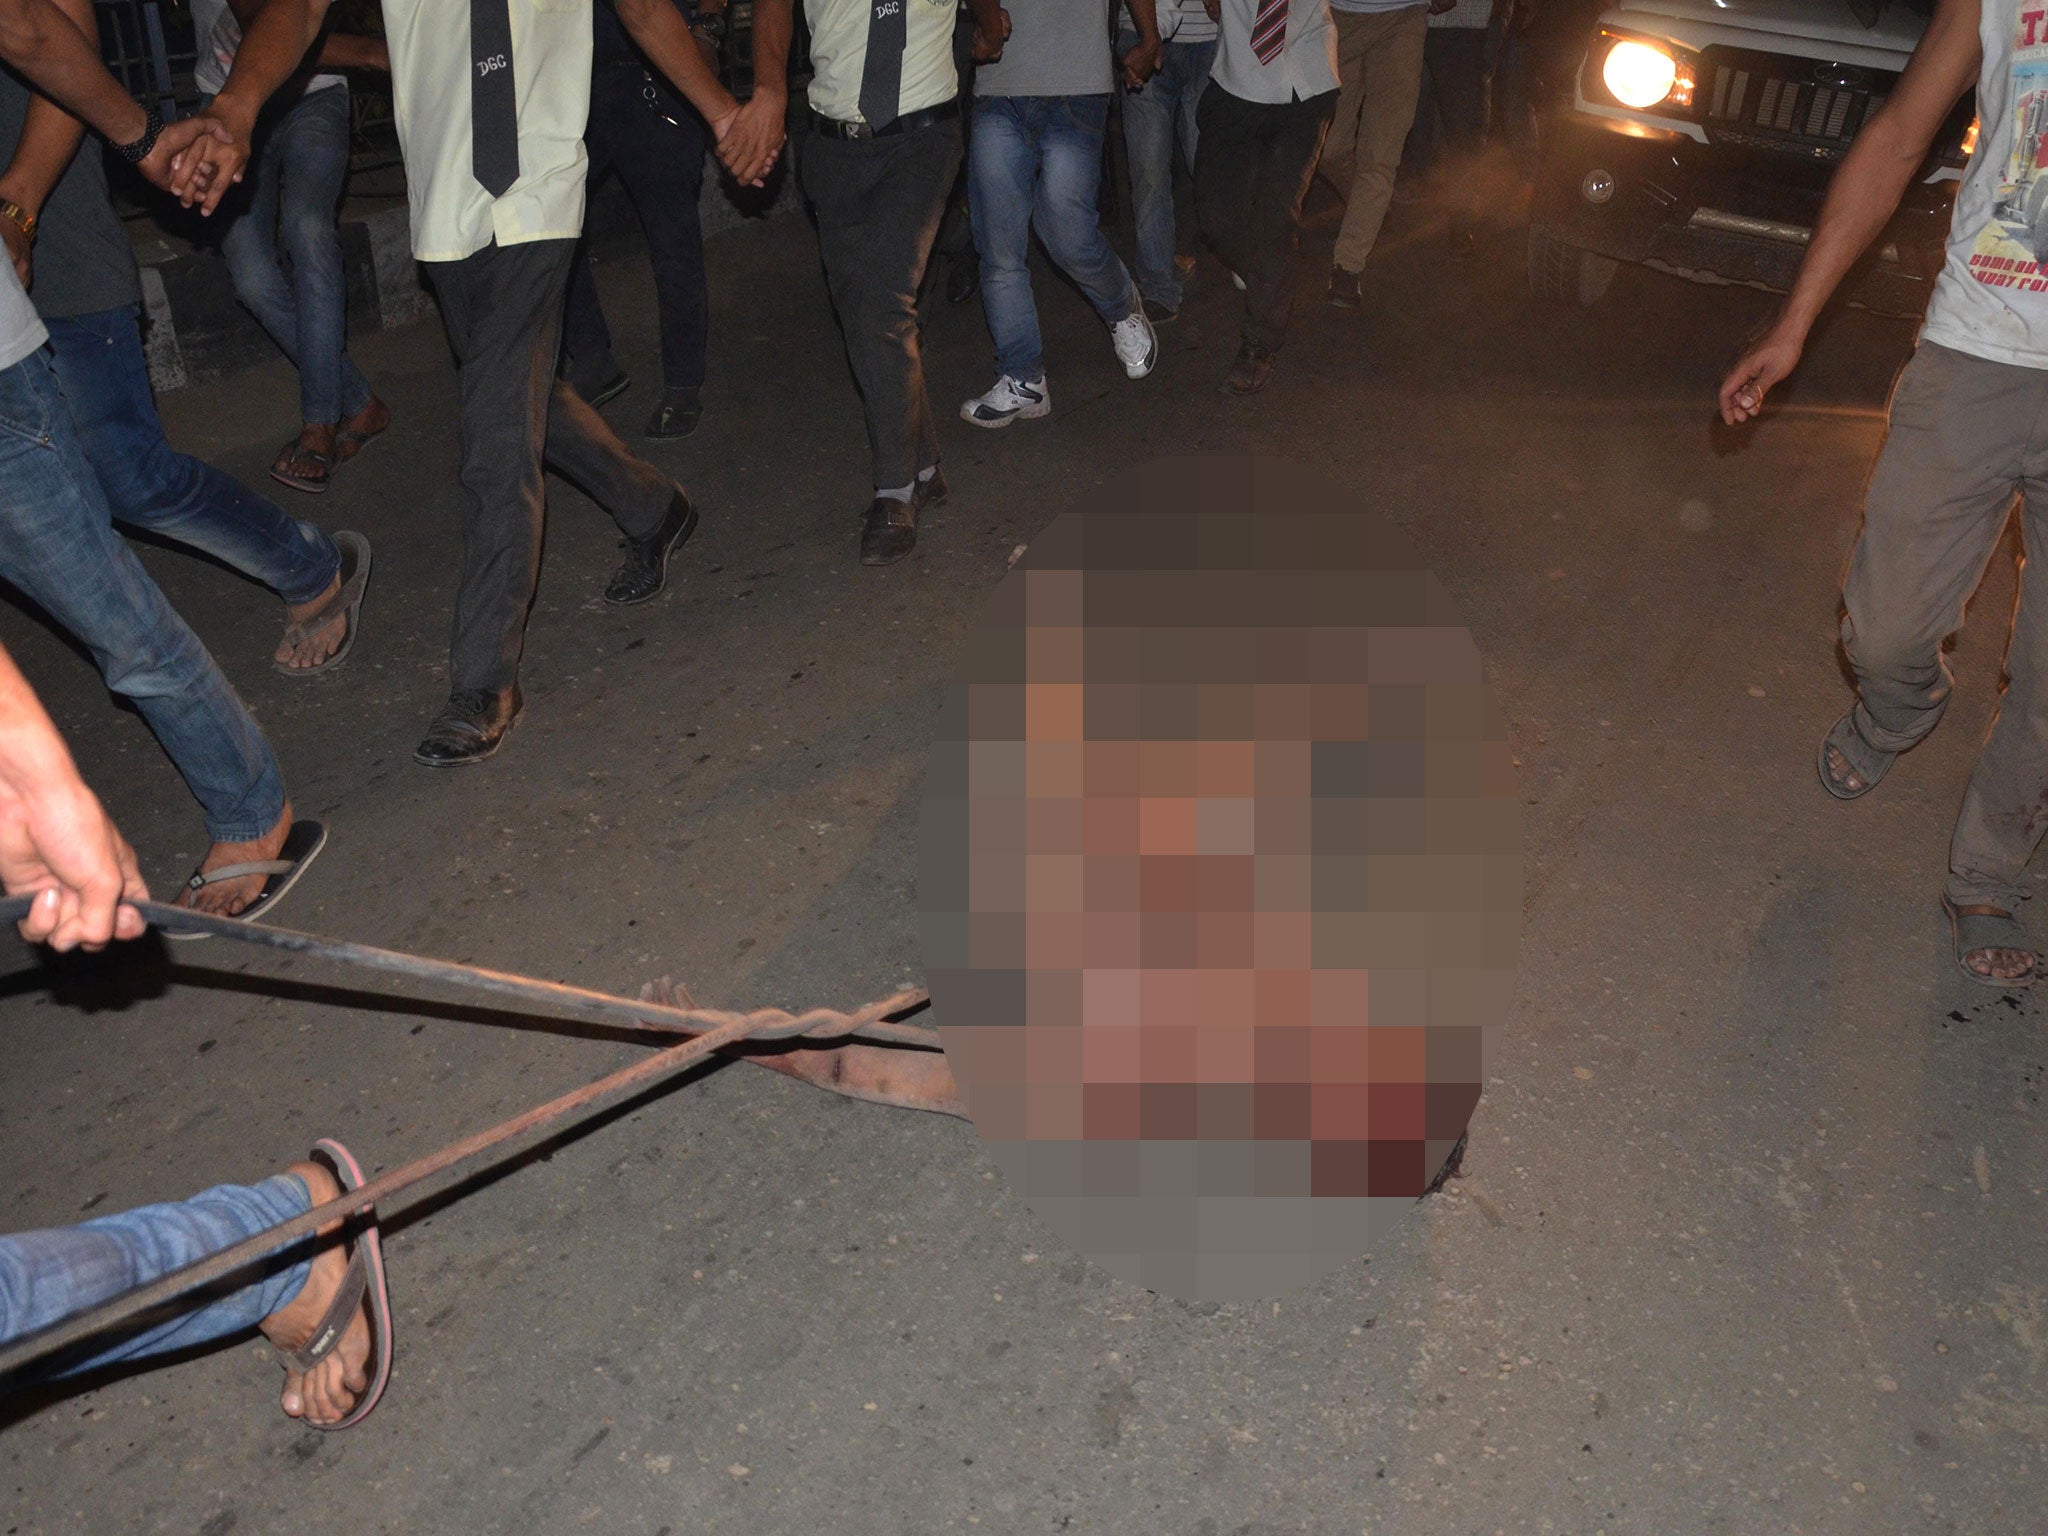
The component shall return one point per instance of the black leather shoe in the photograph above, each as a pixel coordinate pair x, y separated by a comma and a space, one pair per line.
1254, 366
889, 531
470, 729
676, 416
1344, 292
963, 278
646, 569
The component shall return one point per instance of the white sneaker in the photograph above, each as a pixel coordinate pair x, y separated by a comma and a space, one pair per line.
1236, 281
1136, 343
1010, 399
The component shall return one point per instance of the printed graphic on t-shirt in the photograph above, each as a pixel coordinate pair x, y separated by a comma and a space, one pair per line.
2012, 247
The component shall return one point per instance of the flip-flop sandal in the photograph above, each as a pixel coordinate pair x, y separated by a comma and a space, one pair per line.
355, 442
301, 846
363, 1283
348, 601
294, 453
1868, 763
1975, 931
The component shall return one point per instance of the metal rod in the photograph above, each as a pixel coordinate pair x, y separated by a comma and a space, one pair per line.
600, 1007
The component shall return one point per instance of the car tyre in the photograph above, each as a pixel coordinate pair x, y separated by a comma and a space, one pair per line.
1565, 273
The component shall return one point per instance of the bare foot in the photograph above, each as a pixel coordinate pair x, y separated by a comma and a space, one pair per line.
322, 642
229, 897
1997, 964
325, 1394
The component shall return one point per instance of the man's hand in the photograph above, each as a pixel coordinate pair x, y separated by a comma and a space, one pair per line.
61, 845
987, 49
1142, 62
1764, 364
1214, 8
197, 159
56, 842
18, 249
753, 137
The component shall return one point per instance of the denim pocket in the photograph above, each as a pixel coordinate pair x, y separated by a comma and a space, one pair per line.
1088, 113
25, 408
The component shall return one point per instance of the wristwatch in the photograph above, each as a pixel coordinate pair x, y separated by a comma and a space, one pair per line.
138, 151
19, 217
710, 27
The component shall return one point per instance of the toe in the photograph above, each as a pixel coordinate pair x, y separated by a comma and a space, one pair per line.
293, 1399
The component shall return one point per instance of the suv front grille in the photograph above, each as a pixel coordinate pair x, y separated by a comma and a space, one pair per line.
1768, 101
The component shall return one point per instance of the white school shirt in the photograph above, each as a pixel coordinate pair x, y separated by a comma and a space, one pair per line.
839, 53
452, 215
1306, 65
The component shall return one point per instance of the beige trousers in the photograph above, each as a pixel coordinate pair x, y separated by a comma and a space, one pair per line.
1379, 70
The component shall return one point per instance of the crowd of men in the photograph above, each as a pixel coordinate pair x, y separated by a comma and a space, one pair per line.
505, 108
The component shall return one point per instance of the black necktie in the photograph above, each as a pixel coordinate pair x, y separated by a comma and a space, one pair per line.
493, 100
881, 75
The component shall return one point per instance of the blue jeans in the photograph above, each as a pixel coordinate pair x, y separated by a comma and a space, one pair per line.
99, 363
1154, 119
58, 545
294, 187
1035, 163
47, 1276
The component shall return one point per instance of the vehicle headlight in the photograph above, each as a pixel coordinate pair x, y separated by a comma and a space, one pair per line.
1640, 74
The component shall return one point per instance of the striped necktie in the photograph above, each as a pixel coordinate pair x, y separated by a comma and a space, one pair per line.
1269, 30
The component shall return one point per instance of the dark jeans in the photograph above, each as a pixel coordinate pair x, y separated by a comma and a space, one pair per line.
878, 203
58, 545
100, 365
286, 209
503, 309
1253, 162
657, 146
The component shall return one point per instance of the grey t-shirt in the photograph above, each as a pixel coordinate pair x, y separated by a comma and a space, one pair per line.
83, 261
1056, 48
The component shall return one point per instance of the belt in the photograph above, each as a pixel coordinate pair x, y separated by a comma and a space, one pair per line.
838, 128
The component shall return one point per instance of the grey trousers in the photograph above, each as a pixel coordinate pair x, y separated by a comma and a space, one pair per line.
878, 204
503, 310
1966, 436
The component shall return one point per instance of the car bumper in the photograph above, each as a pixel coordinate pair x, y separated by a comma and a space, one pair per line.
1733, 215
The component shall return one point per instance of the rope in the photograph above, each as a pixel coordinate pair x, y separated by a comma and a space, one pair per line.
712, 1030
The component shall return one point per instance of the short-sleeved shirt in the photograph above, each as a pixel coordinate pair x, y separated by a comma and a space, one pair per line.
1056, 48
219, 35
21, 328
452, 215
84, 261
839, 51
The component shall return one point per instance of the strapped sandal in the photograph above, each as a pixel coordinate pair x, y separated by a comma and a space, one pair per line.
1868, 763
285, 468
1978, 931
348, 442
301, 846
364, 1282
348, 601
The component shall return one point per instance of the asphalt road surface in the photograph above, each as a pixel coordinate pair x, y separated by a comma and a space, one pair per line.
1752, 1235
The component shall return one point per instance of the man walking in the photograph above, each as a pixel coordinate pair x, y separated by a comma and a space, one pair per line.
1158, 115
495, 169
641, 126
1968, 433
1035, 166
69, 247
881, 156
1379, 61
1262, 123
57, 540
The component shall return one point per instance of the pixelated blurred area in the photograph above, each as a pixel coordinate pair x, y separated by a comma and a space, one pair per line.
1220, 876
